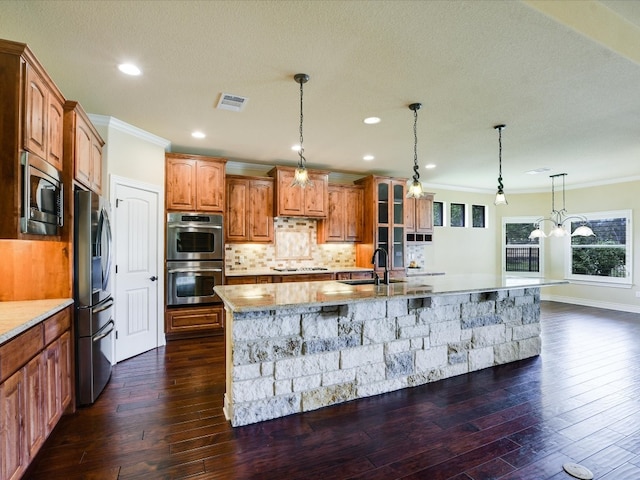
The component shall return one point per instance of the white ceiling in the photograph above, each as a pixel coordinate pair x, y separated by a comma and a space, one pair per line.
564, 76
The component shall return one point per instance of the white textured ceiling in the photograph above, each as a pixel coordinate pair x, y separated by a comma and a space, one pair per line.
566, 84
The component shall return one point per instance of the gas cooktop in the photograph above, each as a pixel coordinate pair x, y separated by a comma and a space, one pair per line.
301, 269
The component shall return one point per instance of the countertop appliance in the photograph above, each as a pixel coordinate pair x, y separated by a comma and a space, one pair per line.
195, 258
94, 322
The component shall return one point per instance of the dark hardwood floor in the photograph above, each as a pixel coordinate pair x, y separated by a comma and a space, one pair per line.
161, 418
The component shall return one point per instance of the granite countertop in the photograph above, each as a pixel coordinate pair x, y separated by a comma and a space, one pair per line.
17, 317
247, 298
298, 271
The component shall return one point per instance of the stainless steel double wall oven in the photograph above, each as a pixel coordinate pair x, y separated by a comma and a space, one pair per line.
195, 258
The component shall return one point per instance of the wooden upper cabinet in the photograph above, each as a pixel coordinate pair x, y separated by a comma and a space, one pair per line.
310, 202
344, 220
43, 118
249, 216
418, 219
83, 147
195, 183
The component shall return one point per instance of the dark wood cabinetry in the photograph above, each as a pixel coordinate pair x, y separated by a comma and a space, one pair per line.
344, 220
195, 183
194, 321
418, 219
309, 202
249, 216
383, 222
35, 390
31, 114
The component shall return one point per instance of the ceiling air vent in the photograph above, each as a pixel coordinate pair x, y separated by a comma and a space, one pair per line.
235, 103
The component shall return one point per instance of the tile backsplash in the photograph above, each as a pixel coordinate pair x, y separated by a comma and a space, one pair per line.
295, 246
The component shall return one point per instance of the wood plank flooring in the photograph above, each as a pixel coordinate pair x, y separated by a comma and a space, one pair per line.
160, 417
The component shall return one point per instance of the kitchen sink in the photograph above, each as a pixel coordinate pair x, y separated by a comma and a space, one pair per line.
369, 281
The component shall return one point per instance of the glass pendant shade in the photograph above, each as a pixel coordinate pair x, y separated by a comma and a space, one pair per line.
537, 233
301, 178
558, 231
414, 189
500, 199
583, 231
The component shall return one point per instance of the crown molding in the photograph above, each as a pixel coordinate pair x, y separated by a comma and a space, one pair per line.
112, 122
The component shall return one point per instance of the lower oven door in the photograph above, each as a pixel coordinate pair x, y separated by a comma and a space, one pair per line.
192, 282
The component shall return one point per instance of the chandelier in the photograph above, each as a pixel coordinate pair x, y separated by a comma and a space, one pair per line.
559, 217
301, 176
414, 187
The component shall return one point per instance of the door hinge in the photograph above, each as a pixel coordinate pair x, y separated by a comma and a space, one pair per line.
116, 268
118, 200
116, 334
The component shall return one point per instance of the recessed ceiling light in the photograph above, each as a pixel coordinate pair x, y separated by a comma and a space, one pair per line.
538, 170
368, 158
129, 69
198, 134
372, 120
429, 166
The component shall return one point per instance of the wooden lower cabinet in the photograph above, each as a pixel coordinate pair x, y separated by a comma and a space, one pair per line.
194, 321
33, 395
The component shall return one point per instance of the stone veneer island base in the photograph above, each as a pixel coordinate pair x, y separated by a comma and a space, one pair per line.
298, 347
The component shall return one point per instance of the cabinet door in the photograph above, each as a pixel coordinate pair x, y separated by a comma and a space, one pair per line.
82, 161
315, 195
237, 192
261, 211
96, 166
181, 184
210, 186
424, 215
55, 132
33, 411
354, 200
13, 460
410, 215
52, 386
65, 370
35, 132
333, 228
290, 200
396, 255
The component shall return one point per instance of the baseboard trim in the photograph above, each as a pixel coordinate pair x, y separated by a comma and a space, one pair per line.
621, 307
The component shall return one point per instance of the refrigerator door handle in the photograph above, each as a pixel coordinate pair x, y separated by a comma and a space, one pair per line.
108, 303
100, 336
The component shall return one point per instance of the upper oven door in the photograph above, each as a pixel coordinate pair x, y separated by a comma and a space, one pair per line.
193, 282
194, 237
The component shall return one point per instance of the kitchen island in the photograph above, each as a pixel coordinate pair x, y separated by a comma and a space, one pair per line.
296, 347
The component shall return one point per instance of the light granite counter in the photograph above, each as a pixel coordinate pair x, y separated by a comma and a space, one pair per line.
296, 347
17, 317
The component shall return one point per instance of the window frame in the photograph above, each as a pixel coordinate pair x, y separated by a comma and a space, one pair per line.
485, 211
465, 215
503, 250
444, 213
623, 282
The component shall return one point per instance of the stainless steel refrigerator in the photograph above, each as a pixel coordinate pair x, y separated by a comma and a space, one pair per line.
94, 319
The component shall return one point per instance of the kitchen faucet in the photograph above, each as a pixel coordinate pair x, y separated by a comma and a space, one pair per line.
385, 279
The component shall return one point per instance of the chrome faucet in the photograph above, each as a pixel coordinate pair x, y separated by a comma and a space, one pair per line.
385, 279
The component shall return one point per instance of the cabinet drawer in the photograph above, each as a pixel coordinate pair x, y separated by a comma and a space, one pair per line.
194, 321
56, 325
17, 352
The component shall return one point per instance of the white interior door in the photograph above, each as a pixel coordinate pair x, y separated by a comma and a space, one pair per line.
137, 279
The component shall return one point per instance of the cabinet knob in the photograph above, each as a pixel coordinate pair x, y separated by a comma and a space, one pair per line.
153, 279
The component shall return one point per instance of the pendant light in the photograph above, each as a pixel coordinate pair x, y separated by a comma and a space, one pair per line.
559, 217
414, 187
500, 197
301, 176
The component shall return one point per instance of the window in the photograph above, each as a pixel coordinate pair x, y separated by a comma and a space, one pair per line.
521, 254
457, 215
478, 216
438, 214
605, 257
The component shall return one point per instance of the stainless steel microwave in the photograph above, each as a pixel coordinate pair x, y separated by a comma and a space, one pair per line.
42, 211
